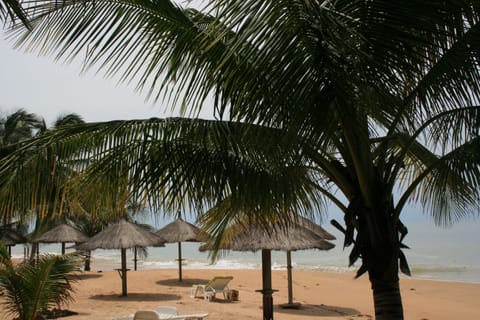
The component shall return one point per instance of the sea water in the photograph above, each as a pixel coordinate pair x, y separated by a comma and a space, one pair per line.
446, 254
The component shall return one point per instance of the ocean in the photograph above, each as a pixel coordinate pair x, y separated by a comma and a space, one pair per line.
451, 254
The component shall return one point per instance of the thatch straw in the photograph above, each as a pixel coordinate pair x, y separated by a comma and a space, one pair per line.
179, 231
62, 233
122, 235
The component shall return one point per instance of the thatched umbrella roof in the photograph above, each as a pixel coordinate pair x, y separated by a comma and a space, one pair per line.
179, 231
316, 228
294, 238
61, 234
254, 238
11, 238
278, 237
122, 235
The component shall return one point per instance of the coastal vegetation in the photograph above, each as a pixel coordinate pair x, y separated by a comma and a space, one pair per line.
369, 105
33, 289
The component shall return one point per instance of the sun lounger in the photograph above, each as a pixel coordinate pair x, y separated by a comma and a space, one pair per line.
210, 289
166, 312
145, 315
129, 317
162, 313
193, 316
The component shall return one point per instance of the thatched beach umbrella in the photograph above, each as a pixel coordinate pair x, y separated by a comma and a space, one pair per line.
316, 228
122, 235
62, 233
179, 231
254, 238
320, 231
10, 238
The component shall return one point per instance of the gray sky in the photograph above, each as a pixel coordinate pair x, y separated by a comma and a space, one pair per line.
47, 88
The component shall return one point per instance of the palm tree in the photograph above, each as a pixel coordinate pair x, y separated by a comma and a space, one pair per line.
33, 289
372, 104
18, 126
53, 174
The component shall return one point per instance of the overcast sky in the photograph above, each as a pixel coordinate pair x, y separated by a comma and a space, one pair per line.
47, 88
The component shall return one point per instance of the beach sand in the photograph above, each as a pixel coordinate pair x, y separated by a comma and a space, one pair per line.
322, 295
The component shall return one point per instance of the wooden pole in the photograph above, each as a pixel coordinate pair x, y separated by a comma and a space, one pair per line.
124, 272
63, 247
267, 285
180, 262
289, 277
135, 259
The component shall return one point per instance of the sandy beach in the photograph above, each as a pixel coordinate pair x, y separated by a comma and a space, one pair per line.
322, 295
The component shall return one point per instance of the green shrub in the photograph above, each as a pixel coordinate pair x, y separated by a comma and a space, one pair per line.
30, 289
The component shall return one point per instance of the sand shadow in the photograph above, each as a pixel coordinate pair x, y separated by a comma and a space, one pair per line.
86, 276
185, 283
137, 297
321, 310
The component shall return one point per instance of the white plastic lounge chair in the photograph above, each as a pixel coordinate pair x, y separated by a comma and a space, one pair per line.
167, 310
162, 313
194, 316
171, 313
129, 317
210, 289
145, 315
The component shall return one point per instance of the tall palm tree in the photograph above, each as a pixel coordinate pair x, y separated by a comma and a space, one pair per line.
53, 174
15, 128
19, 126
373, 104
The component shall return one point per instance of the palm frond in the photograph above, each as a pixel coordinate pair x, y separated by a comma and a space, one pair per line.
170, 163
13, 10
448, 185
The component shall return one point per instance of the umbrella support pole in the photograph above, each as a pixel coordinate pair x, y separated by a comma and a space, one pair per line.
290, 304
289, 277
135, 259
267, 290
180, 262
124, 272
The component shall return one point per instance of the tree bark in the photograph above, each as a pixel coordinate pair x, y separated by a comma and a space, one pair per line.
387, 300
382, 258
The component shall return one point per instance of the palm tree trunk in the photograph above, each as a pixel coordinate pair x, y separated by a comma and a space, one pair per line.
387, 300
381, 255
